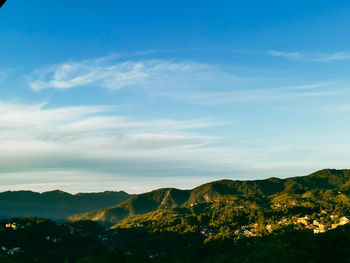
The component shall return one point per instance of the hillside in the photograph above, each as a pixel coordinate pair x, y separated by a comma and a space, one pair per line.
138, 204
55, 204
306, 218
325, 187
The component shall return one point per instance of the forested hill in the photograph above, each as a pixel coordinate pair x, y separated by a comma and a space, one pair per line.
326, 186
55, 204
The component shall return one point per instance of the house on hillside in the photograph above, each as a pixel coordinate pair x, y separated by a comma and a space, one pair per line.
207, 232
309, 226
14, 250
316, 223
11, 225
269, 228
303, 220
344, 220
319, 230
334, 226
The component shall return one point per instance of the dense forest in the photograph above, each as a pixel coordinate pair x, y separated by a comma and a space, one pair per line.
40, 240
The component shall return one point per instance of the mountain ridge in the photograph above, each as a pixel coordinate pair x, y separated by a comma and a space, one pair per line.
55, 204
256, 192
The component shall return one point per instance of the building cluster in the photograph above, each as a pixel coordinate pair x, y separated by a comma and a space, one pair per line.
11, 251
207, 232
13, 226
319, 225
53, 239
248, 231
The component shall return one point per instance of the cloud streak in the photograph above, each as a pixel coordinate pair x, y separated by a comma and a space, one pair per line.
113, 74
313, 57
188, 81
99, 146
34, 137
43, 148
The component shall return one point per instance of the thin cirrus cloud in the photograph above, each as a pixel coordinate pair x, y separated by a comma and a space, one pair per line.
256, 95
109, 72
311, 56
189, 81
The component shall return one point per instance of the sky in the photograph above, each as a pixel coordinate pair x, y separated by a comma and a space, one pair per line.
138, 95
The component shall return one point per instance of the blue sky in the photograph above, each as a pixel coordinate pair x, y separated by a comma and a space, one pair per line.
136, 95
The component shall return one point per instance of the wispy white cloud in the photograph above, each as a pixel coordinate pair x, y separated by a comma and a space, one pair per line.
37, 122
34, 137
254, 95
311, 56
90, 148
178, 80
113, 74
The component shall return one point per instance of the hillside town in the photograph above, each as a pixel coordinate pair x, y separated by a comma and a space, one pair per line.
318, 224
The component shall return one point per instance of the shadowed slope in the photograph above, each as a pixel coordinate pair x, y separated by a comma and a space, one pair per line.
55, 204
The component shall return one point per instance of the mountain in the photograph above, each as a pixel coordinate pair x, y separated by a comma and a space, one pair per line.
55, 204
138, 204
325, 187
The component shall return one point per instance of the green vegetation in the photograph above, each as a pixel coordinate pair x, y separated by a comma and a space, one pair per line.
41, 240
323, 189
55, 204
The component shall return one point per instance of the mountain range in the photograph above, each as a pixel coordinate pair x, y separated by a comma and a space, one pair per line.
324, 187
298, 219
55, 204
